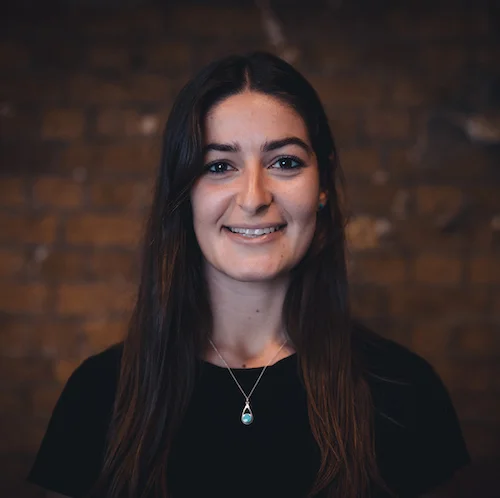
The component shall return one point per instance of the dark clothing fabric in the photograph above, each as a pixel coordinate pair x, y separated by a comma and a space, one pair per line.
418, 440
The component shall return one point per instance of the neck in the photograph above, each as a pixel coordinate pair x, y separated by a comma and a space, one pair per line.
247, 319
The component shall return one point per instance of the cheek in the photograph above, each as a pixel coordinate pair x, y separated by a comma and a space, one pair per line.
208, 206
302, 203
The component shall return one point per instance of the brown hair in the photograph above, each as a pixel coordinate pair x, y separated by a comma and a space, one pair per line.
168, 328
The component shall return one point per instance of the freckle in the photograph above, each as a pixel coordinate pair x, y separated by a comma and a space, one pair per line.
244, 366
257, 311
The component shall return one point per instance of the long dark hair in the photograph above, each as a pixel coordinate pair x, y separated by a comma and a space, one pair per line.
171, 320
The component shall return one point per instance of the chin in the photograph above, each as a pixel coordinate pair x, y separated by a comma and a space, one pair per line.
255, 274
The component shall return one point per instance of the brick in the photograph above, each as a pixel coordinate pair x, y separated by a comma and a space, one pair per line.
378, 200
44, 399
481, 238
24, 371
14, 469
434, 200
452, 159
101, 334
103, 230
16, 157
477, 339
472, 406
30, 229
402, 163
21, 434
129, 123
114, 265
94, 298
46, 88
431, 337
483, 441
13, 55
387, 125
379, 269
11, 262
366, 232
19, 124
21, 337
485, 269
123, 195
63, 369
214, 21
428, 301
437, 24
12, 401
478, 376
435, 269
408, 92
344, 126
343, 91
23, 298
496, 303
108, 57
368, 301
168, 56
388, 53
419, 232
87, 89
139, 157
326, 56
63, 124
444, 61
140, 21
486, 198
360, 162
57, 192
12, 191
62, 265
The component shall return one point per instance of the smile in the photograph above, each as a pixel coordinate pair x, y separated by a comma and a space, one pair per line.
255, 232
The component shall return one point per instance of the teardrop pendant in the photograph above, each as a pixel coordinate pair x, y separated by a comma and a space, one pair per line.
246, 414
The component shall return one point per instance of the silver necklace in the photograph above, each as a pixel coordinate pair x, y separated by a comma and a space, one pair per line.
247, 415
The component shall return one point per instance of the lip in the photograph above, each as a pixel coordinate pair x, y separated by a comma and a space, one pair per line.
262, 239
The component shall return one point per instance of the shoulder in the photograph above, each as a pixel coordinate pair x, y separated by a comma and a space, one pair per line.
418, 437
106, 363
96, 378
69, 458
387, 360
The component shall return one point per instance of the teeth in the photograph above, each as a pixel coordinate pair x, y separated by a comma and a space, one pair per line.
254, 232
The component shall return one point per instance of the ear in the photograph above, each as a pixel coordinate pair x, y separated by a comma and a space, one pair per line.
323, 198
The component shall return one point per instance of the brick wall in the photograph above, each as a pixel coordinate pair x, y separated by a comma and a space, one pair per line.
413, 99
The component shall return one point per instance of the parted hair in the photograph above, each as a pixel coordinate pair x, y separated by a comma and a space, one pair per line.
171, 321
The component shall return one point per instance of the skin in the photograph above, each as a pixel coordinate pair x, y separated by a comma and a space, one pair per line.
253, 179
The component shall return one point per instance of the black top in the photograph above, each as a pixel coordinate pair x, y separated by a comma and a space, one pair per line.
418, 440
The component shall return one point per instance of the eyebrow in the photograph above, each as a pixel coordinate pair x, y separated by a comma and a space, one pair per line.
267, 147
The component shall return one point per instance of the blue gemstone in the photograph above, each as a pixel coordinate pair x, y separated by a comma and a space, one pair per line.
247, 418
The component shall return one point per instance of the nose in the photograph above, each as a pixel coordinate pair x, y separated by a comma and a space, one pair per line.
254, 194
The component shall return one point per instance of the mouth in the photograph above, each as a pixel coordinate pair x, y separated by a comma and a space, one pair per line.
253, 233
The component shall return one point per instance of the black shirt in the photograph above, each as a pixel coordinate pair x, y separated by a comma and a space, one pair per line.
418, 440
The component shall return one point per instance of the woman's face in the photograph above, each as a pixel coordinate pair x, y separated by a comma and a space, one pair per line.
254, 208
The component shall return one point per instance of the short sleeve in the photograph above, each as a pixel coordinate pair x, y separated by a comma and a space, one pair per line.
439, 443
70, 456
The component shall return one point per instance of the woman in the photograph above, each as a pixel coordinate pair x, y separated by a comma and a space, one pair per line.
242, 373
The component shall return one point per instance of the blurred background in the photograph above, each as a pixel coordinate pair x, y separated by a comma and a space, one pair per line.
413, 93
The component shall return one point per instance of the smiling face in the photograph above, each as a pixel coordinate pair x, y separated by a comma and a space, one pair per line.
254, 208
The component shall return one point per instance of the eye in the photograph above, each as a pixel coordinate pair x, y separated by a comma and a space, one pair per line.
218, 168
288, 163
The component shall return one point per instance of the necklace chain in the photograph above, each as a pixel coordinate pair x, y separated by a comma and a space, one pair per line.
247, 397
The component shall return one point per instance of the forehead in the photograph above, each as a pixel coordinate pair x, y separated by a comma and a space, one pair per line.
252, 115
